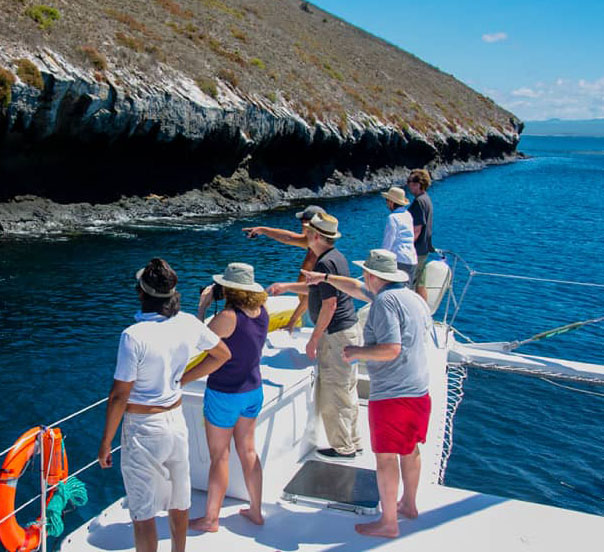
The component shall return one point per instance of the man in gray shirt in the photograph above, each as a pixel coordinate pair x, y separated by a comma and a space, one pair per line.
395, 335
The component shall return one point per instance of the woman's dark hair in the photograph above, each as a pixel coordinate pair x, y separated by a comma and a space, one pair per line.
159, 276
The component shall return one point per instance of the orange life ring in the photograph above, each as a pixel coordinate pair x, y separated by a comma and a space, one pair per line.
14, 537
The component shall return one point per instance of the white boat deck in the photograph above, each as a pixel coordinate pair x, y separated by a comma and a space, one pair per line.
450, 519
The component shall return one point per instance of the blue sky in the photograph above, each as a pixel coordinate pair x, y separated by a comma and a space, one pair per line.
540, 59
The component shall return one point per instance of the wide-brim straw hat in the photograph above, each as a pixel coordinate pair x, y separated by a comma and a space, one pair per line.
382, 263
238, 276
325, 225
396, 195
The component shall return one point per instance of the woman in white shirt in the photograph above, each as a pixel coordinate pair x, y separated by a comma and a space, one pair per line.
398, 233
146, 392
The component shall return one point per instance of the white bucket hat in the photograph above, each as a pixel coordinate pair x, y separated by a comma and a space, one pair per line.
325, 225
382, 263
238, 276
396, 195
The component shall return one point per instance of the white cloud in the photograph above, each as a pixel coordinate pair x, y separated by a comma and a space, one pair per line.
494, 37
518, 103
561, 98
526, 92
597, 87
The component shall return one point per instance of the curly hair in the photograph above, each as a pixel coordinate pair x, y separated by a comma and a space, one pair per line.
161, 277
239, 298
422, 177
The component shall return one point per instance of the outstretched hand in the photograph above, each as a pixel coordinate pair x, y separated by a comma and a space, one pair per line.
253, 231
313, 278
276, 289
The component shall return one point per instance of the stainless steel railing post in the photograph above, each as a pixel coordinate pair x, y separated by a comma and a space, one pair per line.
42, 492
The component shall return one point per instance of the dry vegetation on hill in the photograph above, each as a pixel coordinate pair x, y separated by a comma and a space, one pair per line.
281, 50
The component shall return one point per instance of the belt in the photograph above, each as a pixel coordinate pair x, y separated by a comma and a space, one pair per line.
151, 409
341, 329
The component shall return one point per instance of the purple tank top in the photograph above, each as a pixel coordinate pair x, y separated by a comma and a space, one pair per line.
242, 372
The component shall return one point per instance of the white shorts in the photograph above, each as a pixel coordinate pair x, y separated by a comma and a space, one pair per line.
155, 463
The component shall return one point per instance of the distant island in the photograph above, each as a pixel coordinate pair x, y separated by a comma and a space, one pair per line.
565, 127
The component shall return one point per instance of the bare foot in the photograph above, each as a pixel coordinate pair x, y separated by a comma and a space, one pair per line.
254, 517
378, 529
204, 524
407, 510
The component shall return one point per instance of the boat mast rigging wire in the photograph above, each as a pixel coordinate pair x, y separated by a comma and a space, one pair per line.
472, 273
535, 372
573, 388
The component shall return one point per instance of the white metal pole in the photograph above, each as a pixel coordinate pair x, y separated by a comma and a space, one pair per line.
42, 494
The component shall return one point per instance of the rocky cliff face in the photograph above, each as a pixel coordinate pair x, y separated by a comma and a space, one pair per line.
83, 137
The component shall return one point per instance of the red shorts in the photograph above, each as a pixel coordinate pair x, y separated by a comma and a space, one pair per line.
397, 425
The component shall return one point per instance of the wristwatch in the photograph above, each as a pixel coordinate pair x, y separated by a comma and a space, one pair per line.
326, 274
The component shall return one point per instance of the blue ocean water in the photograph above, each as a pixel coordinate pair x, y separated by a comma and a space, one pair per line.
65, 300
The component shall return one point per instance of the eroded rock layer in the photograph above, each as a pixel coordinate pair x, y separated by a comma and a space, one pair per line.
73, 134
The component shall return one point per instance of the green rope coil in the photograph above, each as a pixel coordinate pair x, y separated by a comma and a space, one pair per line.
73, 492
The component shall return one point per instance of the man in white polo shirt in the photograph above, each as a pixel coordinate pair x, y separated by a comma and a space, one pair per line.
146, 392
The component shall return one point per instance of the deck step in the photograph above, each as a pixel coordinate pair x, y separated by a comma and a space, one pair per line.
336, 486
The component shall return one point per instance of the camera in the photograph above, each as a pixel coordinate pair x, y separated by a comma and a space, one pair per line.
217, 292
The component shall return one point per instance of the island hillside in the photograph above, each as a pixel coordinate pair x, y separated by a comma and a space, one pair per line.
207, 106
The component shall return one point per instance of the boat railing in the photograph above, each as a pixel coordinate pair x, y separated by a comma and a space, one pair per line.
457, 372
45, 489
455, 261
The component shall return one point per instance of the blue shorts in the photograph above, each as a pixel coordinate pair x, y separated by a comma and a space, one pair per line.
224, 409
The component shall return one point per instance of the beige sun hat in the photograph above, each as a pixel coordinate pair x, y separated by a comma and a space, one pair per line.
325, 225
238, 276
396, 195
382, 263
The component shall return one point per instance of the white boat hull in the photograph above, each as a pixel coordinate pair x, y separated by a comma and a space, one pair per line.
450, 519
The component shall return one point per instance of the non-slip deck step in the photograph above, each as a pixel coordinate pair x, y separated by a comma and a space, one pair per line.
335, 485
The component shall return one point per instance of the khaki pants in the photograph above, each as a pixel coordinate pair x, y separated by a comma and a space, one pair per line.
420, 272
336, 388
